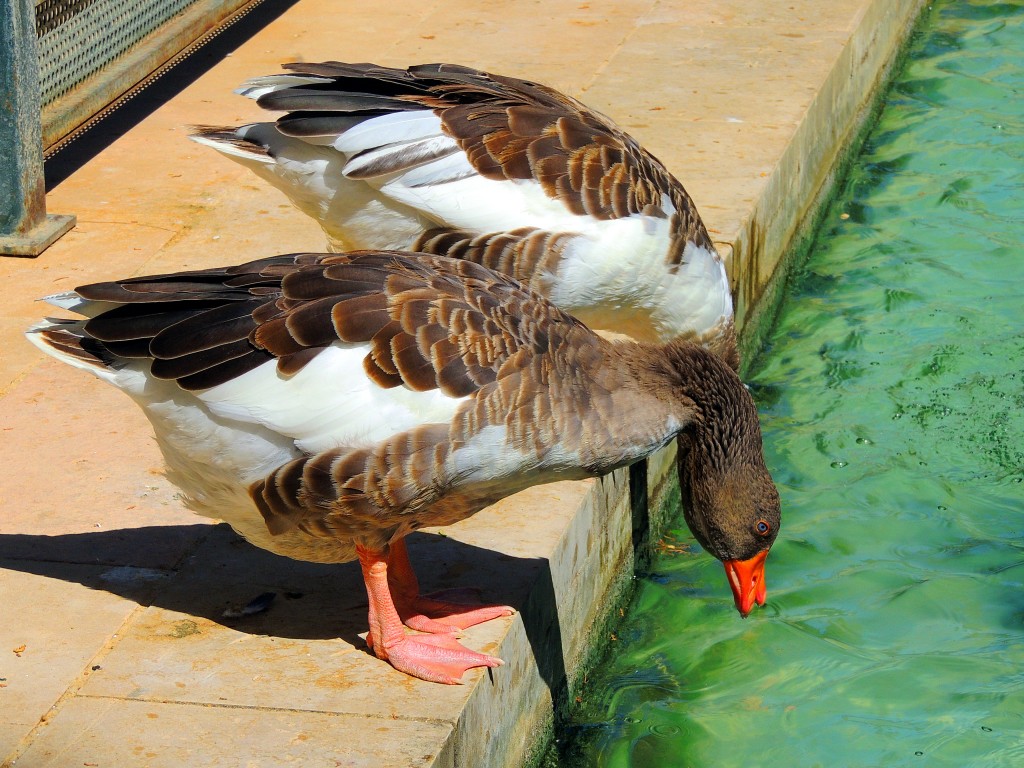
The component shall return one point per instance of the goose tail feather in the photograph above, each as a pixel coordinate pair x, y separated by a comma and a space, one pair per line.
68, 341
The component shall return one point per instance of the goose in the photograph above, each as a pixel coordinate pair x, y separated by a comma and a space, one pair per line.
512, 174
327, 405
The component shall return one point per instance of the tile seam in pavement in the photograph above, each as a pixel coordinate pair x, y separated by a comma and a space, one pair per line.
265, 708
131, 223
618, 47
163, 572
74, 688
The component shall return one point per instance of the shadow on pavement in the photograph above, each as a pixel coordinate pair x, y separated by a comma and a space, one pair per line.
219, 571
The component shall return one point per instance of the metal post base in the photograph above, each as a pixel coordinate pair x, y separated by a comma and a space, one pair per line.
37, 239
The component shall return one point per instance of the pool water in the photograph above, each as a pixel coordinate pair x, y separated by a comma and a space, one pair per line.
892, 402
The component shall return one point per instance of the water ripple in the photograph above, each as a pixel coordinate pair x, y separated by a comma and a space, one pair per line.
892, 406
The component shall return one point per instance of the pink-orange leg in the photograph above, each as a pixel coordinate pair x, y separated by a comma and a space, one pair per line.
432, 612
438, 658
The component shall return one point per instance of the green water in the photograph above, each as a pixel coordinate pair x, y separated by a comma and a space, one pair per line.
892, 401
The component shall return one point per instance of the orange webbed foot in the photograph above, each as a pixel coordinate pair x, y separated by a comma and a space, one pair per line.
433, 613
437, 658
442, 612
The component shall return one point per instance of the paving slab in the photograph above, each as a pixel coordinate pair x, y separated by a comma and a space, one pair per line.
100, 566
54, 625
113, 732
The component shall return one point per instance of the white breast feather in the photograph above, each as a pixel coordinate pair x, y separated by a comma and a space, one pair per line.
625, 268
699, 296
394, 128
329, 403
488, 456
470, 201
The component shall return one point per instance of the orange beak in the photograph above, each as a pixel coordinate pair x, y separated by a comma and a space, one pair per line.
746, 577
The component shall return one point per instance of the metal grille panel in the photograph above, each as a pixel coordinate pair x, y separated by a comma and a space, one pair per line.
77, 38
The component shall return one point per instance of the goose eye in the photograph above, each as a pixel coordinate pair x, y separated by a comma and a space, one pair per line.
762, 527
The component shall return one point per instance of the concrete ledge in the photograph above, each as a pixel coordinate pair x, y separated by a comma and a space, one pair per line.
114, 596
840, 113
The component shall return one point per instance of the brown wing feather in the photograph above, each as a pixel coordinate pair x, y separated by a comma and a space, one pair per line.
508, 128
456, 326
365, 494
532, 369
431, 322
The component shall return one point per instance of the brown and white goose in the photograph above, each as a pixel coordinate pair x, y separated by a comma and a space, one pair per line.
508, 173
327, 405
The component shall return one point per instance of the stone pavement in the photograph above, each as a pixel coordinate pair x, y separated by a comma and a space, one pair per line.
114, 646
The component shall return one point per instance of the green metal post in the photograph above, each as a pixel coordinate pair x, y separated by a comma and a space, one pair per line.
25, 227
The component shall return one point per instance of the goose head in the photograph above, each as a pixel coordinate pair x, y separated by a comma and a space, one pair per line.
730, 502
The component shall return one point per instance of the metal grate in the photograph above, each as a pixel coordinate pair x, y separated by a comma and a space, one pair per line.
96, 54
50, 14
77, 38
